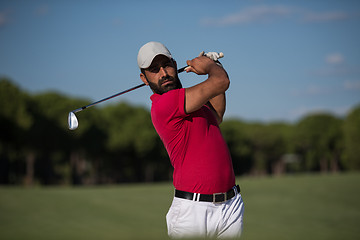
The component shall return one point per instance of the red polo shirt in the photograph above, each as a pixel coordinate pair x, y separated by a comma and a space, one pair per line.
196, 147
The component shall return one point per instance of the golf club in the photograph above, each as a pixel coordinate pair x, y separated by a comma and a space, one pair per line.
72, 119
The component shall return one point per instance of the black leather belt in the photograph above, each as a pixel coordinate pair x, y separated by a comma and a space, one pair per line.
215, 198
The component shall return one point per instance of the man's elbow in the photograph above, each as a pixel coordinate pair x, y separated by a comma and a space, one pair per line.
219, 120
227, 83
224, 84
221, 79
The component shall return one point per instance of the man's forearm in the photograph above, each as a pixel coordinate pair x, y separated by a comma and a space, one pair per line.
218, 106
211, 90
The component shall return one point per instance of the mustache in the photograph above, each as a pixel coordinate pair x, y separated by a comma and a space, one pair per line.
166, 78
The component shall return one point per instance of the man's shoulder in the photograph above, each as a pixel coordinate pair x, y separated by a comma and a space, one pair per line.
167, 96
169, 104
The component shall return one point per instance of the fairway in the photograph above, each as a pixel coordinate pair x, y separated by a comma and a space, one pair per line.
290, 207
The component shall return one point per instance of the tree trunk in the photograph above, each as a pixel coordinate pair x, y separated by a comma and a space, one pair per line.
76, 168
324, 165
334, 164
30, 162
278, 167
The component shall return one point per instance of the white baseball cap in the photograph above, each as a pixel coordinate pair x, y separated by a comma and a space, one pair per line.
149, 51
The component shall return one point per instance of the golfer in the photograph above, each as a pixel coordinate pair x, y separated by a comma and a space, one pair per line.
207, 203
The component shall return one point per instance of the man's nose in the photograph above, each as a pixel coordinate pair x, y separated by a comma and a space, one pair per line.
163, 71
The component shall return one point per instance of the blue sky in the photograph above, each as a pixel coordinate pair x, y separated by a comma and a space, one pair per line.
285, 59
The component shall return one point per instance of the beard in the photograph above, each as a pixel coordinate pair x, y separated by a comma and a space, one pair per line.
171, 84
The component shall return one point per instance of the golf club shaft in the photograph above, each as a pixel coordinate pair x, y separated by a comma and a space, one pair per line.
117, 94
105, 99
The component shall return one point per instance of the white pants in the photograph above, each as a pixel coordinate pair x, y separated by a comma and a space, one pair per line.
187, 218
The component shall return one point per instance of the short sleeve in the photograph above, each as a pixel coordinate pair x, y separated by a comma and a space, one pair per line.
169, 108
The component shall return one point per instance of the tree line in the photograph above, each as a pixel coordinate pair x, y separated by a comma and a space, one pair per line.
117, 143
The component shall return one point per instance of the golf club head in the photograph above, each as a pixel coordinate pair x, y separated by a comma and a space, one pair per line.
72, 121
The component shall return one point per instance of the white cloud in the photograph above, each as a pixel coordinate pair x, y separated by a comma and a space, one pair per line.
325, 16
4, 18
117, 21
316, 90
303, 111
267, 13
312, 90
252, 14
335, 58
42, 10
352, 85
336, 65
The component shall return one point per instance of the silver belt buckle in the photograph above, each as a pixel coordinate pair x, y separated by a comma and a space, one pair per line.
216, 194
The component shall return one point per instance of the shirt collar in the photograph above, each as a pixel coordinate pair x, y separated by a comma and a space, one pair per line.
154, 97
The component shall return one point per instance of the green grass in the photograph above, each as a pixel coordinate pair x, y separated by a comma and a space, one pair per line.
302, 207
291, 207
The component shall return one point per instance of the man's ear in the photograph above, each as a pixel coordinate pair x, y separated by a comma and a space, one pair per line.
175, 64
144, 79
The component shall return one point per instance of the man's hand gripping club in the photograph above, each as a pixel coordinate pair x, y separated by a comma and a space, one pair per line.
212, 55
212, 90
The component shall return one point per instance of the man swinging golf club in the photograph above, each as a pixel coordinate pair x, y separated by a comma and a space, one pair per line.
207, 203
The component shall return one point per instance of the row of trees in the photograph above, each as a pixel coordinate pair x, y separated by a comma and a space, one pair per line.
117, 143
